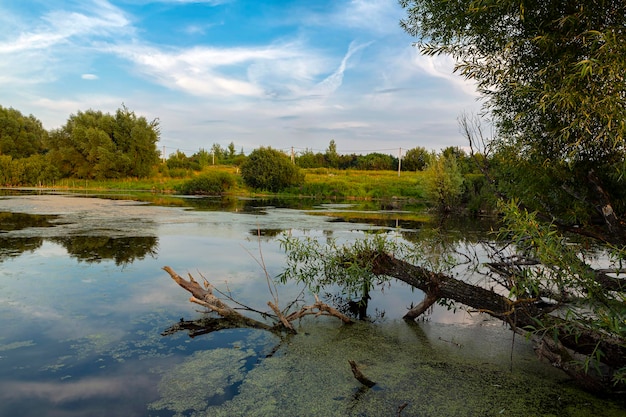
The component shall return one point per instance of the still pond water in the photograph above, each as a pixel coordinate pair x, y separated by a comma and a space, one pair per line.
84, 304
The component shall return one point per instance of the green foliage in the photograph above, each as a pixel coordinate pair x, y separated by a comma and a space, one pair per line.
212, 183
323, 265
444, 182
566, 276
309, 159
416, 159
20, 136
552, 71
34, 170
360, 184
477, 196
201, 159
377, 161
552, 74
270, 170
331, 155
178, 160
97, 145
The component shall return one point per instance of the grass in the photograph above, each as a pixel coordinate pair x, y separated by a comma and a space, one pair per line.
318, 183
360, 184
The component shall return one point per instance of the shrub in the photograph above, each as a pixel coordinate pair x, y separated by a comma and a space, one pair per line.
214, 183
271, 170
444, 182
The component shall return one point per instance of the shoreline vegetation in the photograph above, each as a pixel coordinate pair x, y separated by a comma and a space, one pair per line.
319, 183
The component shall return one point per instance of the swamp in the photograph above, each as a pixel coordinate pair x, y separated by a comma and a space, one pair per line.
92, 324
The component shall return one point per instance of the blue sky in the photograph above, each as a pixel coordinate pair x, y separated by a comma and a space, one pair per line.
284, 73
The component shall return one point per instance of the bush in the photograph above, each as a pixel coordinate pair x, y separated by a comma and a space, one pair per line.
214, 183
444, 182
271, 170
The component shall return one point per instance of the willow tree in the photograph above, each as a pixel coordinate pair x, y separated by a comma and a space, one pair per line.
551, 74
20, 136
98, 145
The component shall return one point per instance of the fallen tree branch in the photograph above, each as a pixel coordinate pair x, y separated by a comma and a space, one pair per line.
519, 314
356, 371
319, 309
204, 296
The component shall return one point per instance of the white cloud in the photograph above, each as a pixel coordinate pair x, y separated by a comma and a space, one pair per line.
370, 16
89, 77
285, 70
334, 81
442, 66
60, 26
58, 43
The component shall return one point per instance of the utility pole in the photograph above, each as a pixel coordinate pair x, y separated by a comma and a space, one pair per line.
293, 156
399, 160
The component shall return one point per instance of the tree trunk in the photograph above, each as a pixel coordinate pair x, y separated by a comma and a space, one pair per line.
519, 314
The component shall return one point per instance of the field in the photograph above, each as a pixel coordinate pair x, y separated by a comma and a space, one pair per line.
319, 182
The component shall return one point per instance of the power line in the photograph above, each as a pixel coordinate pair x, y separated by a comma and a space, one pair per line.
290, 149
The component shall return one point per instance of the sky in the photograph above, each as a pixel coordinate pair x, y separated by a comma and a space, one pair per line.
283, 73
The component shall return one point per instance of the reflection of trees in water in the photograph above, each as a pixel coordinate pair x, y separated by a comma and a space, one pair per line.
15, 246
17, 221
266, 232
123, 250
12, 247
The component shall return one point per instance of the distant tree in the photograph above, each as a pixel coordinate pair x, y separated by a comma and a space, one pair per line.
376, 161
415, 159
135, 140
219, 154
201, 159
271, 170
20, 136
464, 161
348, 161
34, 170
309, 159
331, 155
231, 151
96, 145
178, 160
444, 181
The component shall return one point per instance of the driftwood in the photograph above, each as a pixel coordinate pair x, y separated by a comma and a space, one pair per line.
356, 371
204, 296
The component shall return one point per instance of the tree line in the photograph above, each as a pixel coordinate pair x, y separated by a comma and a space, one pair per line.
100, 146
91, 145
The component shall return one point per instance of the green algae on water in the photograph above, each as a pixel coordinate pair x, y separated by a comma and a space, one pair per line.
411, 364
16, 345
203, 378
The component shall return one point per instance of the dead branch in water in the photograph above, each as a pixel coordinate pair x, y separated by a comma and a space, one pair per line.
204, 296
356, 371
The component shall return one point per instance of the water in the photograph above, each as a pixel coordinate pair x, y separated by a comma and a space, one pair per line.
84, 303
